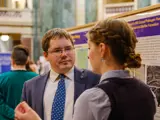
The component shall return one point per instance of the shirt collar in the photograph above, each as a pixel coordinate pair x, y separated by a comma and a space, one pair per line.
69, 75
116, 73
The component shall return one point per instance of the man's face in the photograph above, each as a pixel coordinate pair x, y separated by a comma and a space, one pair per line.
61, 55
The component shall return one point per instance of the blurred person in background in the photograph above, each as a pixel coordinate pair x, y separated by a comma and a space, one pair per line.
119, 96
46, 67
58, 89
31, 66
39, 65
43, 65
11, 83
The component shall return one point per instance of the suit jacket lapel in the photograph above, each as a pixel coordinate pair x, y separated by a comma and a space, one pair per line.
39, 93
79, 83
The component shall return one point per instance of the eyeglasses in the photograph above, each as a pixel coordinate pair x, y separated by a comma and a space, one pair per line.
59, 51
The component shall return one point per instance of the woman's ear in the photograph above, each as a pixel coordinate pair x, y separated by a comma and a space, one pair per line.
104, 50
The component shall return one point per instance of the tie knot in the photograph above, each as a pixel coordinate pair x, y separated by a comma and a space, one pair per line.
61, 76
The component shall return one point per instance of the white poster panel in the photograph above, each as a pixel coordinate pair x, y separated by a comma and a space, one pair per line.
147, 29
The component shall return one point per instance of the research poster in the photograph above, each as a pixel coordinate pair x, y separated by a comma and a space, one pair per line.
140, 73
148, 33
80, 37
82, 57
147, 29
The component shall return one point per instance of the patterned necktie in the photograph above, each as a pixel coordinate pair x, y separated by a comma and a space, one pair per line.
59, 101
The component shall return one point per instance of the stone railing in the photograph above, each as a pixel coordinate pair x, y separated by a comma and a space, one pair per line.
117, 8
15, 17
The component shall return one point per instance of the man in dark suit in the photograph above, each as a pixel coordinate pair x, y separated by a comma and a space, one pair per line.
53, 94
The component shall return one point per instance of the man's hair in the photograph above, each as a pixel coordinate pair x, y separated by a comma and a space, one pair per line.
20, 54
54, 34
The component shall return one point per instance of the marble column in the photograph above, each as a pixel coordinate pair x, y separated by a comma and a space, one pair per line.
91, 11
36, 34
153, 2
143, 3
50, 14
58, 13
27, 40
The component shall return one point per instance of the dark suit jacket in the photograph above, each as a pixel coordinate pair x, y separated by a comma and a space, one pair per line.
33, 89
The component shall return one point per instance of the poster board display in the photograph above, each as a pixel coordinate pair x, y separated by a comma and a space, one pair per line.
147, 29
5, 62
146, 24
81, 56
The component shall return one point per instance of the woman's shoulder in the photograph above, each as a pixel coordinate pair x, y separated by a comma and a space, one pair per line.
92, 103
94, 95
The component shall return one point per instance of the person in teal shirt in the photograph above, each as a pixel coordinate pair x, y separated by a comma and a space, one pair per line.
11, 83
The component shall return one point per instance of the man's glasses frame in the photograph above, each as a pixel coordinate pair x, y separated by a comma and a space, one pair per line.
59, 51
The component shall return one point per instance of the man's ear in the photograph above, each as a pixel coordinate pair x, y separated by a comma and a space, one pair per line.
45, 54
12, 62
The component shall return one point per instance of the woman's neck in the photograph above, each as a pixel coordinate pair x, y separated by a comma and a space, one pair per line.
107, 68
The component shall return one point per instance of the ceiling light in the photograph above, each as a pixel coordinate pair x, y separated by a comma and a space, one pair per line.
4, 37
